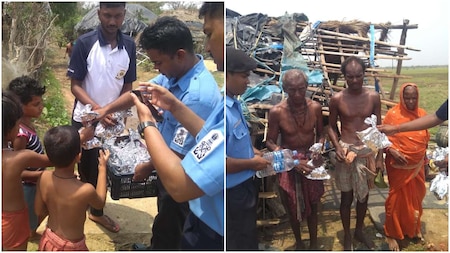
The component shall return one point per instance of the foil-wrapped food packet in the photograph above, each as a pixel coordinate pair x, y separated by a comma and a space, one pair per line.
372, 137
102, 132
126, 152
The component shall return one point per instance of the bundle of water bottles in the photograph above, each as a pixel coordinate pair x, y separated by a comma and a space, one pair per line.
281, 160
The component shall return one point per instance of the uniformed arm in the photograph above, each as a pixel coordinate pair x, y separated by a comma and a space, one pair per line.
425, 122
256, 163
168, 165
164, 99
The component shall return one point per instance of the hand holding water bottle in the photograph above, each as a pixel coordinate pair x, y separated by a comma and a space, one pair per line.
281, 161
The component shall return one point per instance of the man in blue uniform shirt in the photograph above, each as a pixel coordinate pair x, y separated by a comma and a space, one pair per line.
199, 177
168, 43
242, 159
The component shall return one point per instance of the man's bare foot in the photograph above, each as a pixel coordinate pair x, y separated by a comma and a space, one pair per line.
392, 243
106, 222
348, 242
359, 236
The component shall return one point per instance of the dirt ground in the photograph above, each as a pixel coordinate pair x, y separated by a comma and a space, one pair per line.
272, 238
331, 235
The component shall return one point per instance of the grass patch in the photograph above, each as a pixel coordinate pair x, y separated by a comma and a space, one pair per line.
54, 112
432, 83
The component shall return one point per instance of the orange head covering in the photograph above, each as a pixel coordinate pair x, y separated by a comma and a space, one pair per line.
413, 142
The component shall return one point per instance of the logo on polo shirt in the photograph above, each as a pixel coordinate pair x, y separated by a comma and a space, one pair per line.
207, 144
121, 74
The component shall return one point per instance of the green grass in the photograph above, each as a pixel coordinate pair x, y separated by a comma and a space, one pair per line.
54, 112
432, 83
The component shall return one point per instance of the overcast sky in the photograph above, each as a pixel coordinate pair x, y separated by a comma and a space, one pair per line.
432, 18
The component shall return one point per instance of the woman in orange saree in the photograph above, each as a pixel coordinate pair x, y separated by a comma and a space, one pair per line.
405, 169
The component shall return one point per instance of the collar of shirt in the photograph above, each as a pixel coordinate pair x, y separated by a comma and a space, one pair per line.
184, 81
232, 101
103, 41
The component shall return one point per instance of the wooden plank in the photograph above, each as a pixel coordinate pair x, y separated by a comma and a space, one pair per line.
347, 54
268, 222
365, 39
267, 195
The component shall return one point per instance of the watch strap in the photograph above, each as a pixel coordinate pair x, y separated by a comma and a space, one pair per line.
144, 125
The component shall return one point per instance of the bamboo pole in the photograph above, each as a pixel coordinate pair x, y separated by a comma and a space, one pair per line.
365, 56
399, 62
365, 39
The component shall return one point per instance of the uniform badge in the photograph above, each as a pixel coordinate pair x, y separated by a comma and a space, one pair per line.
180, 136
121, 74
207, 145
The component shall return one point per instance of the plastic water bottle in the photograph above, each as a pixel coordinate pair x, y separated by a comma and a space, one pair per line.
281, 161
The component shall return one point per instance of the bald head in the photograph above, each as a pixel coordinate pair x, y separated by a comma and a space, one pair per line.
293, 76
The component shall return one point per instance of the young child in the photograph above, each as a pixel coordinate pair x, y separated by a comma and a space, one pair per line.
15, 221
64, 198
30, 93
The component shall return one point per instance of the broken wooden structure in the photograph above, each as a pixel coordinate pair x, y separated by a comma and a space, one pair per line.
293, 42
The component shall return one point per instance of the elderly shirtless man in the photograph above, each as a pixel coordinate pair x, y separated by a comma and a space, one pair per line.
299, 122
352, 106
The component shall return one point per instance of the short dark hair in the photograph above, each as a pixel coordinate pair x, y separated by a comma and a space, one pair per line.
167, 34
211, 9
112, 4
25, 88
350, 59
62, 145
11, 111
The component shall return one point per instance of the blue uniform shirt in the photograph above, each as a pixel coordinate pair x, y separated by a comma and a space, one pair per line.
442, 112
198, 90
239, 143
204, 164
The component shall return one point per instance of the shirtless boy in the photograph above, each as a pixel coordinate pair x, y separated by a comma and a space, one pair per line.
15, 221
299, 122
352, 106
62, 196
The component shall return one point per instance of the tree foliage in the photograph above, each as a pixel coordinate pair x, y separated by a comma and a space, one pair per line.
69, 14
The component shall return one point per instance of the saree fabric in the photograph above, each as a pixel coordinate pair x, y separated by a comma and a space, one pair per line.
407, 183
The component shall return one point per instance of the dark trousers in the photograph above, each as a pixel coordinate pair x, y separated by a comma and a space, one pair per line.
241, 216
199, 236
88, 168
169, 222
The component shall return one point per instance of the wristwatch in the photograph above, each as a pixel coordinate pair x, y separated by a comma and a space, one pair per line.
143, 125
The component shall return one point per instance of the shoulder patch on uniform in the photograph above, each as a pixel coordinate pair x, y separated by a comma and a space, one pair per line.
207, 144
180, 136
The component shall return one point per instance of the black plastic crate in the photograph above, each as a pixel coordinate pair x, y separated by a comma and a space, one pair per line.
122, 186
